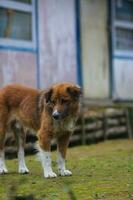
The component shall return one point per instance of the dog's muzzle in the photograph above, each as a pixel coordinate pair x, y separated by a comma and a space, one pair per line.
56, 115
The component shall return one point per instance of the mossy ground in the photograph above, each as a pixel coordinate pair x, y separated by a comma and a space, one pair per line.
101, 171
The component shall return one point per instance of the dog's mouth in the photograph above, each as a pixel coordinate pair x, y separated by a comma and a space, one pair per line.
58, 115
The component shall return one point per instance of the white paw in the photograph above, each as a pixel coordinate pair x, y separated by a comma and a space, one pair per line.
23, 170
65, 172
50, 175
3, 170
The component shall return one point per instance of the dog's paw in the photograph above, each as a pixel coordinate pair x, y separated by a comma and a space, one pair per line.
50, 175
3, 170
65, 172
23, 170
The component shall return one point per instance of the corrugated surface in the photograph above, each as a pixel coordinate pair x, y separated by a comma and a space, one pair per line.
94, 48
57, 41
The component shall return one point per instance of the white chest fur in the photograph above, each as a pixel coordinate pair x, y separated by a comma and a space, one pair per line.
64, 125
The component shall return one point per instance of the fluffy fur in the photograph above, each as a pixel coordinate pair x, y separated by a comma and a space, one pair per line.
51, 113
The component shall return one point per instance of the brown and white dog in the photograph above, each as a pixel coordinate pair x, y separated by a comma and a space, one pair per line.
51, 113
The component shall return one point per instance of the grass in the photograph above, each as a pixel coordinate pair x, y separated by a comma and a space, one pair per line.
101, 171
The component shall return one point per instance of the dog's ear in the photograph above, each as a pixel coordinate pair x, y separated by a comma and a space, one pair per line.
74, 91
47, 94
44, 96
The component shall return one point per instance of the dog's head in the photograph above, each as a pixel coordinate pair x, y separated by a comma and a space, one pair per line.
62, 100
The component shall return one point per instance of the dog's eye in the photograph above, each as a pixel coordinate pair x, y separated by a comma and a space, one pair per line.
52, 102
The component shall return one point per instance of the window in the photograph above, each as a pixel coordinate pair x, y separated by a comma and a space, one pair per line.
124, 38
124, 10
123, 26
17, 23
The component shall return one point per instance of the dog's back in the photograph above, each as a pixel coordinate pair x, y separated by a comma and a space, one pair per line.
13, 95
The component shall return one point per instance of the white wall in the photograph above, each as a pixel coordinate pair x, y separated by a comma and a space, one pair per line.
94, 48
57, 41
123, 79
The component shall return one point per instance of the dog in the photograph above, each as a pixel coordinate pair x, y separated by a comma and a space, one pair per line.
51, 113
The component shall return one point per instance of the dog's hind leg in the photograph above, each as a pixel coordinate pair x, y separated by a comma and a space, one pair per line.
3, 168
20, 136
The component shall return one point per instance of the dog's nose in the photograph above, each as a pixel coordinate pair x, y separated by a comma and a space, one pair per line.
56, 115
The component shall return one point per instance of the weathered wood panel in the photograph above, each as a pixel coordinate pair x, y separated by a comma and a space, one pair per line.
57, 43
94, 42
17, 67
123, 79
98, 125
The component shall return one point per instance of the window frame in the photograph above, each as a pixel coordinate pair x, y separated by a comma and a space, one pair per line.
22, 7
120, 24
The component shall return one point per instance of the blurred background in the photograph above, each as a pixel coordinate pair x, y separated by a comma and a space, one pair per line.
88, 42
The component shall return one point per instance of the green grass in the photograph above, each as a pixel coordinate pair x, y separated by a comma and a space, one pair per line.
102, 171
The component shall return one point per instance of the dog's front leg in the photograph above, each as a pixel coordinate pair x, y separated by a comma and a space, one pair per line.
63, 142
45, 153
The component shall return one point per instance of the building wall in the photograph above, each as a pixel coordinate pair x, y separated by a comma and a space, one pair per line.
17, 67
57, 43
123, 78
94, 48
18, 55
56, 46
